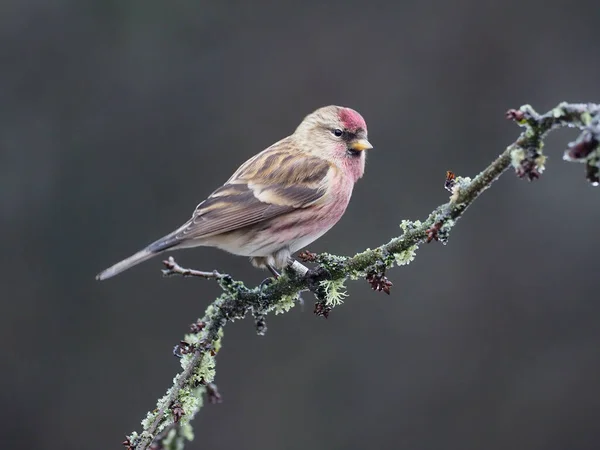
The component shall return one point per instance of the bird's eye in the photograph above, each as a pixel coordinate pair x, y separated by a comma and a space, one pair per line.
337, 132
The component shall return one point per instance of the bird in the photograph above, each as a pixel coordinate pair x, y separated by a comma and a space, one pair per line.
280, 200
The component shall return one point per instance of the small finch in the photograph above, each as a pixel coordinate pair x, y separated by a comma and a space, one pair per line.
280, 200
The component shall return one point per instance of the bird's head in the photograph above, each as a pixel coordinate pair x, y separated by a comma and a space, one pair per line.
338, 134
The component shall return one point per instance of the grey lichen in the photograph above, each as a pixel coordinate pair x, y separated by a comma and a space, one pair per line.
410, 225
171, 442
407, 255
460, 184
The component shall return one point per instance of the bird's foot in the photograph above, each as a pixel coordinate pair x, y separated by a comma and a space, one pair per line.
270, 280
266, 282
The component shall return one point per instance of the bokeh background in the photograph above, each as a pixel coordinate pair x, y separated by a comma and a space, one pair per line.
118, 117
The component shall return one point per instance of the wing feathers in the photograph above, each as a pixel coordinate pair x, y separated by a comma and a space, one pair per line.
273, 183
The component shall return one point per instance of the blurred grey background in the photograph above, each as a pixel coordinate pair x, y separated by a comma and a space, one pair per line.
118, 117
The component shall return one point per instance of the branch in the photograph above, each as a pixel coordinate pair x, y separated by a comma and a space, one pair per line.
172, 268
168, 425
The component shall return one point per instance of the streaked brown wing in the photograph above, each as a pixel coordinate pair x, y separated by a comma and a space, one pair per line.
272, 183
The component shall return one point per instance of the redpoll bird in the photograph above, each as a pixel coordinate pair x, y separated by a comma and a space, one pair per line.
280, 200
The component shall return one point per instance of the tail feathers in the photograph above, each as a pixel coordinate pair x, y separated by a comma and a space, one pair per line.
164, 243
119, 267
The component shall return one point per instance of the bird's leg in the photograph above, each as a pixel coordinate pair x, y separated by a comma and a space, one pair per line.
311, 275
300, 269
293, 265
268, 281
273, 271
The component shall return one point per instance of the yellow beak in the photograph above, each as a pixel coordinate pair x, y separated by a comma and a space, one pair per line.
360, 145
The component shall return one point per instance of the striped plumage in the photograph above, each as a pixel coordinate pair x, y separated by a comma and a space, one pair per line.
280, 200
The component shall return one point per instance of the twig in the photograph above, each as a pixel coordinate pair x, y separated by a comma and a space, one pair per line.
172, 268
182, 400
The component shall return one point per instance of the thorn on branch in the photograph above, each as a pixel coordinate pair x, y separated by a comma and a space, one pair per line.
177, 411
379, 282
172, 268
306, 256
212, 394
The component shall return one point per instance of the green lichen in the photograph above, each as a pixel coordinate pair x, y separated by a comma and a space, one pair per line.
286, 303
187, 432
517, 155
528, 111
356, 275
170, 442
558, 112
231, 286
205, 372
449, 224
211, 309
133, 437
331, 262
198, 339
586, 118
160, 404
406, 256
364, 253
409, 225
219, 340
462, 182
193, 338
149, 419
175, 439
185, 360
189, 402
334, 291
530, 133
540, 162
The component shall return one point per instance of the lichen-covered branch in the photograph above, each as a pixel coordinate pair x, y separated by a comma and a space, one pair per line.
168, 424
